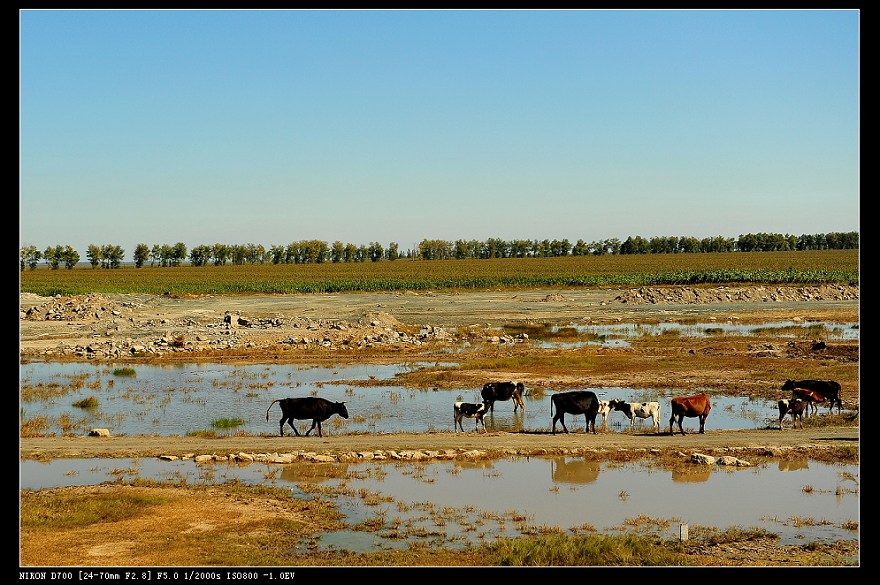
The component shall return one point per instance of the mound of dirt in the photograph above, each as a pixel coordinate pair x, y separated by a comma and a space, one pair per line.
686, 295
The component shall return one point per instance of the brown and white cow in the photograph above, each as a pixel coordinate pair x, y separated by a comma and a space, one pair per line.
794, 406
697, 406
810, 397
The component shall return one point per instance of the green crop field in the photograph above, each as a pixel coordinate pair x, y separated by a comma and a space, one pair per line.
794, 268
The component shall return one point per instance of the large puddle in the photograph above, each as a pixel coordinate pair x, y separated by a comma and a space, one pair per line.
390, 505
452, 503
188, 398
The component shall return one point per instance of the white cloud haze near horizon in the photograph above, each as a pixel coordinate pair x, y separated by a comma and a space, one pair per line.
275, 126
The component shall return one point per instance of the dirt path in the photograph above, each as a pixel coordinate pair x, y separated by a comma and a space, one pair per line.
498, 443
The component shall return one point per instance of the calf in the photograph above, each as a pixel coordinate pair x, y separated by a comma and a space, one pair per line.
810, 397
309, 407
493, 391
827, 388
638, 409
469, 410
604, 411
582, 402
796, 407
697, 405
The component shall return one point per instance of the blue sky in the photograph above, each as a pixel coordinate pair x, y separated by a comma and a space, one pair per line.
270, 127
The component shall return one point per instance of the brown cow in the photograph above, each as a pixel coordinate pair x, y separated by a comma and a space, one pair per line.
697, 405
810, 397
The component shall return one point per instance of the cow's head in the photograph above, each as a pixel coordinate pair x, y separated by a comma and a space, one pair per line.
615, 404
789, 385
341, 410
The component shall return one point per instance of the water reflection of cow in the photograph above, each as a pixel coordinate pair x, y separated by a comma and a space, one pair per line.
693, 473
793, 464
575, 471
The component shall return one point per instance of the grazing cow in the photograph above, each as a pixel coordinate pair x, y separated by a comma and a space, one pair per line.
469, 410
811, 397
796, 407
309, 407
638, 409
604, 411
827, 388
582, 402
493, 391
697, 405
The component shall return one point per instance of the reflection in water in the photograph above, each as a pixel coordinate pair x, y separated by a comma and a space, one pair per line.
691, 473
794, 465
575, 471
479, 499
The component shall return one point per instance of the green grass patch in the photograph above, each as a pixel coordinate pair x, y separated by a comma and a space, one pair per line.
125, 372
52, 512
585, 550
90, 402
227, 423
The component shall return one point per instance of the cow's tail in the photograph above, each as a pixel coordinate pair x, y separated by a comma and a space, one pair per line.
270, 408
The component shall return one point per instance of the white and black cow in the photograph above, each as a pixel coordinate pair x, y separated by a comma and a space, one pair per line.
308, 407
796, 407
469, 410
827, 388
583, 402
493, 391
638, 409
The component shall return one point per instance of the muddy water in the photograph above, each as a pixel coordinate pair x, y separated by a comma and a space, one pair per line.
186, 398
452, 503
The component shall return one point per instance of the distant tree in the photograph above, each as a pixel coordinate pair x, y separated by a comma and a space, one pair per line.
111, 256
220, 254
156, 255
392, 252
375, 251
350, 254
580, 248
29, 256
94, 255
337, 252
71, 257
200, 255
141, 254
519, 248
53, 256
278, 254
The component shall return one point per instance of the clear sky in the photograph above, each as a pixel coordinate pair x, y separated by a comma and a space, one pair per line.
270, 127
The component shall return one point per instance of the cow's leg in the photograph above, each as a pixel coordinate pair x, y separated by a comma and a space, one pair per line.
320, 434
681, 428
290, 422
314, 423
281, 425
702, 423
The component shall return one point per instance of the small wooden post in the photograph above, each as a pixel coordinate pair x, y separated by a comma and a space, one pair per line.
683, 531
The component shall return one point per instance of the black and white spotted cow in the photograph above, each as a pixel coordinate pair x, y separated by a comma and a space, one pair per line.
469, 410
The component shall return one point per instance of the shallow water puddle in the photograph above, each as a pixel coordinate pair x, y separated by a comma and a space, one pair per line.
390, 505
186, 398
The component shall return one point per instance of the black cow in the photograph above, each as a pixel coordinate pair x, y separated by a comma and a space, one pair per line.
309, 407
582, 402
469, 410
827, 388
493, 391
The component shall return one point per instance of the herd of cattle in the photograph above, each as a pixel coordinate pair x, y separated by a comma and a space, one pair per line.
806, 394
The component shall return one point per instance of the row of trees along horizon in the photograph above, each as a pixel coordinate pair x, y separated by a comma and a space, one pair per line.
316, 251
